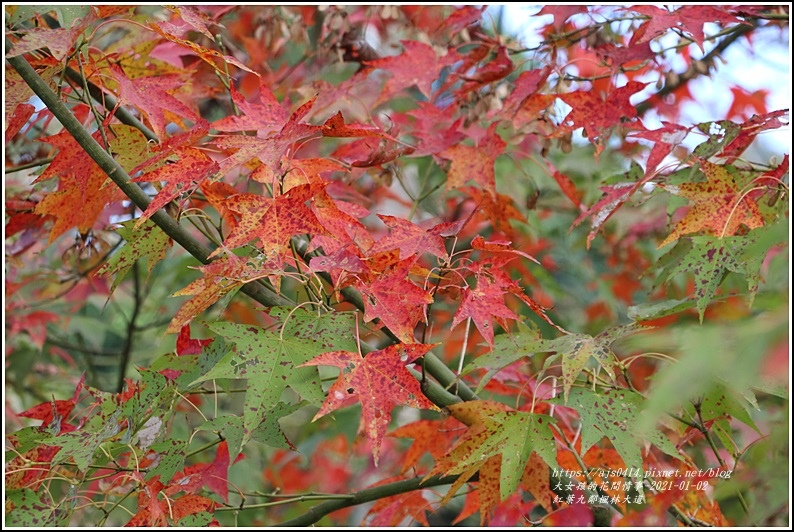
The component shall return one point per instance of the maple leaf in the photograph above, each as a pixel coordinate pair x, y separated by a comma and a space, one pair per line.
536, 479
665, 139
270, 148
484, 302
750, 129
272, 361
53, 413
498, 68
336, 127
409, 238
147, 241
80, 182
392, 511
380, 381
266, 115
615, 414
719, 208
517, 435
434, 129
689, 19
219, 278
432, 436
207, 55
418, 66
710, 258
213, 475
395, 300
273, 220
618, 56
576, 350
59, 41
576, 514
34, 323
17, 120
461, 458
154, 97
597, 115
498, 210
367, 152
475, 163
527, 84
613, 196
461, 18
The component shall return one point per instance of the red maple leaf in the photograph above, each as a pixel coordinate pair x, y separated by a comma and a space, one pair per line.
379, 381
154, 97
80, 182
561, 13
665, 138
213, 475
268, 148
392, 511
750, 129
191, 168
218, 279
461, 18
266, 115
598, 115
526, 84
434, 129
689, 19
16, 120
59, 41
483, 303
336, 127
395, 300
211, 57
475, 163
409, 238
272, 220
418, 66
497, 68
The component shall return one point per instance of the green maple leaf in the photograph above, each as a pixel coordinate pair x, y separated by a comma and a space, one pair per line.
268, 431
615, 414
574, 350
710, 259
271, 361
146, 241
515, 435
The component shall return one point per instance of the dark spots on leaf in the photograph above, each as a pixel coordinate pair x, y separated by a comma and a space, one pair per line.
351, 390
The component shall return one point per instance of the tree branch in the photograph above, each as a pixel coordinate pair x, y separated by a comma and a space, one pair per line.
316, 513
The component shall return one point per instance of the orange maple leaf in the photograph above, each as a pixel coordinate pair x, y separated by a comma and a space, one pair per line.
719, 208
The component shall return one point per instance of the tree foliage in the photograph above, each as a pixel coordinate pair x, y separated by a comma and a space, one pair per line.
265, 264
